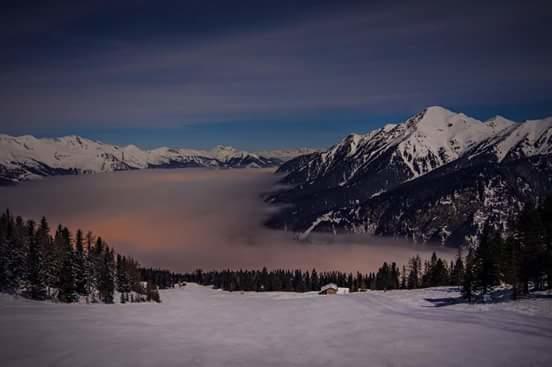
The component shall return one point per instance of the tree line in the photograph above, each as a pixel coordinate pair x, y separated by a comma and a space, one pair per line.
67, 268
436, 272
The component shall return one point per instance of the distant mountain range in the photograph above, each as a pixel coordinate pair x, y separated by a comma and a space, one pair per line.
438, 176
25, 158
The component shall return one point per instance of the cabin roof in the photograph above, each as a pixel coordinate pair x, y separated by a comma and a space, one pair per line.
329, 286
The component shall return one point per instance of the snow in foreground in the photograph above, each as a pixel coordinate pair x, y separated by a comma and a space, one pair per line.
197, 326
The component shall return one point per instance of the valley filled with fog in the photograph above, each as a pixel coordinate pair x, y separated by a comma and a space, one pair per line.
185, 219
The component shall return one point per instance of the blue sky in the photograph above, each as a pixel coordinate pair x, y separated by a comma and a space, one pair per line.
265, 74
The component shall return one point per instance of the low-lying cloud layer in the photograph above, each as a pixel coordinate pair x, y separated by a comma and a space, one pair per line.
193, 218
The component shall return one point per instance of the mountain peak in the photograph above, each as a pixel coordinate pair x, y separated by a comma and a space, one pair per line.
437, 110
430, 116
498, 123
224, 148
437, 119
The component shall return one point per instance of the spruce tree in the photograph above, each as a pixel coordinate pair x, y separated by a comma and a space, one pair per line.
49, 259
36, 286
57, 256
395, 275
106, 285
457, 272
80, 264
315, 280
91, 278
4, 251
467, 287
531, 236
439, 274
486, 261
510, 264
8, 254
415, 265
67, 286
152, 293
547, 221
403, 277
18, 249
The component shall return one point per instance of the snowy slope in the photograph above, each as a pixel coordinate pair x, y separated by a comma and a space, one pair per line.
499, 123
26, 157
516, 141
197, 326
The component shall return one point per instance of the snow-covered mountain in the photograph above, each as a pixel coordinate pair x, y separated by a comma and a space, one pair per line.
286, 154
393, 180
26, 157
424, 142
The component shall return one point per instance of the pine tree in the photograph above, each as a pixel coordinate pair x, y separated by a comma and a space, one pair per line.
457, 272
315, 280
57, 256
152, 293
18, 249
546, 215
486, 261
510, 264
9, 253
80, 265
415, 265
106, 285
467, 287
4, 251
395, 275
531, 236
91, 279
67, 286
48, 259
36, 287
49, 256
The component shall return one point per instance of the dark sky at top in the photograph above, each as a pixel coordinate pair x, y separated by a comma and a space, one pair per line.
265, 73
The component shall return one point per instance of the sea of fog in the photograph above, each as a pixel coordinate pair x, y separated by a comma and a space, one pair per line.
195, 218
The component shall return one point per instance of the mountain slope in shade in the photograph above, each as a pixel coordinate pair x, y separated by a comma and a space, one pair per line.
395, 180
26, 157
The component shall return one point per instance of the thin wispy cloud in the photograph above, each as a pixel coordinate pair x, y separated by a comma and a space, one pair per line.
360, 58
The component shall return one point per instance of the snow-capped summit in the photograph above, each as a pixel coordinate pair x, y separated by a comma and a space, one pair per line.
224, 153
437, 136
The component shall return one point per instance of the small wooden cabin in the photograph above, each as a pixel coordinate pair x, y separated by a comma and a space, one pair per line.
330, 288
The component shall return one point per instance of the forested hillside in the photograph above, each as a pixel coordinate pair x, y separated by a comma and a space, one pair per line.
67, 268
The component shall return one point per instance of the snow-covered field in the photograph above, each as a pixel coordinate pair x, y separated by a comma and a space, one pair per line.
198, 326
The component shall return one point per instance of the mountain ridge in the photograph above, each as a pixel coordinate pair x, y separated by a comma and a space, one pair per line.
361, 183
26, 157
